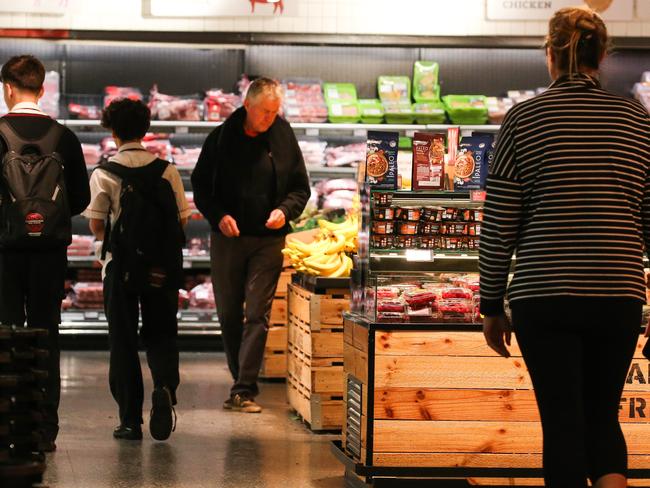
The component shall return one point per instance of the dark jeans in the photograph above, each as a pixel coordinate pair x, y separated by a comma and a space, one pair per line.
578, 352
245, 270
159, 334
31, 290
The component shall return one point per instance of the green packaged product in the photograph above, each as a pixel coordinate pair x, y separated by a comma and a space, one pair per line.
371, 111
429, 112
425, 81
466, 109
343, 112
394, 88
398, 112
340, 92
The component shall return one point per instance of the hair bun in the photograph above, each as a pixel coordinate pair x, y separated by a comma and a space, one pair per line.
586, 25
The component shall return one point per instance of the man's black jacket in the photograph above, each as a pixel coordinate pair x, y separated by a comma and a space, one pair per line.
222, 173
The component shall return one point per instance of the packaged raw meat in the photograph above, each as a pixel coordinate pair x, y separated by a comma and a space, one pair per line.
394, 88
92, 153
88, 295
347, 155
339, 184
425, 81
419, 298
202, 296
457, 293
81, 245
116, 92
219, 105
456, 310
390, 306
183, 299
49, 102
388, 292
313, 152
304, 101
185, 156
168, 107
85, 112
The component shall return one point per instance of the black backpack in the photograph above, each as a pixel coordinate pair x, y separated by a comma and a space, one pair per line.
147, 238
34, 209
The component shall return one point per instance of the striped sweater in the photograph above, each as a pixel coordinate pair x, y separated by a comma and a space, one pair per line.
569, 194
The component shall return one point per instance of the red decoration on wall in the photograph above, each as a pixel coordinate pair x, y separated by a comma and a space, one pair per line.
36, 33
277, 4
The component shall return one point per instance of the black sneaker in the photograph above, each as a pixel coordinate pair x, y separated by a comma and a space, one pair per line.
128, 433
162, 421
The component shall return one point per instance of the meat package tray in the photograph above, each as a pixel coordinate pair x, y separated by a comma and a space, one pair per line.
319, 284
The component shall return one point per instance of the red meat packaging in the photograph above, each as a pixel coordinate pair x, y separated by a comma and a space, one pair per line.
428, 161
202, 296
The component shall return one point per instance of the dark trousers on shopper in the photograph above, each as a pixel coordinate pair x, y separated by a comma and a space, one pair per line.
31, 290
159, 334
578, 352
245, 272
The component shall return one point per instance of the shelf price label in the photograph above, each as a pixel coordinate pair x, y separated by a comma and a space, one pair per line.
477, 195
419, 255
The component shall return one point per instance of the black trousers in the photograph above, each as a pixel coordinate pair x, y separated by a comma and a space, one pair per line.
245, 272
31, 290
578, 352
159, 334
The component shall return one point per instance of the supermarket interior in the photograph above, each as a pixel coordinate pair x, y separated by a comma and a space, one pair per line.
375, 371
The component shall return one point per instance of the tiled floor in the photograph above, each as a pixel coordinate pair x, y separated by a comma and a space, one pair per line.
210, 448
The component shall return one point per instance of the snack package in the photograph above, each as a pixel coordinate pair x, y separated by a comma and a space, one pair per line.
425, 81
381, 159
428, 161
471, 163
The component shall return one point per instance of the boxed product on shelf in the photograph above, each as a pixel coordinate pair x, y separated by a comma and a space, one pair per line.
432, 112
371, 111
304, 101
340, 92
185, 156
168, 107
466, 109
218, 105
398, 112
116, 92
92, 153
428, 161
202, 296
381, 159
472, 162
88, 295
343, 112
394, 88
346, 155
81, 245
425, 81
313, 152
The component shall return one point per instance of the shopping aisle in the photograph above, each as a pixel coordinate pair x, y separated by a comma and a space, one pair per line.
210, 448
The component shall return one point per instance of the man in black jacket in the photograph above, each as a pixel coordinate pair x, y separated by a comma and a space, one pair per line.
249, 182
32, 280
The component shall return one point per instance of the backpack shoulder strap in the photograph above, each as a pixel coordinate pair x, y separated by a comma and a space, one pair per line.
157, 167
50, 140
115, 168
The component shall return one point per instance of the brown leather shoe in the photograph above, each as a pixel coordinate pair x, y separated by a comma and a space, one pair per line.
244, 404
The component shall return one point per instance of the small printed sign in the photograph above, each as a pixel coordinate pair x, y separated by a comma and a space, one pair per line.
611, 10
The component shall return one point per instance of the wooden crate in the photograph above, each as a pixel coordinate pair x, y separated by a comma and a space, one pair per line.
274, 363
444, 399
315, 357
283, 283
279, 312
319, 411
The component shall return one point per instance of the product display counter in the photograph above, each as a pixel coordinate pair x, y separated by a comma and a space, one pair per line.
432, 400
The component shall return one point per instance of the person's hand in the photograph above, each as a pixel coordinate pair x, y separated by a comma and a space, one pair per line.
276, 220
228, 226
495, 330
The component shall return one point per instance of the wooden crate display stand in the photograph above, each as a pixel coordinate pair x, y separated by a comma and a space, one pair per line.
440, 401
315, 356
274, 363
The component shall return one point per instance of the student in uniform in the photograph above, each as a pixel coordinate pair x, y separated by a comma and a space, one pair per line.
32, 278
128, 179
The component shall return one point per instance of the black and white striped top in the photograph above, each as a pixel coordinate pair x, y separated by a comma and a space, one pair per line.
569, 194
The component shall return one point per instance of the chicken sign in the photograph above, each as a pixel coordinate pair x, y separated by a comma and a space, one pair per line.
617, 10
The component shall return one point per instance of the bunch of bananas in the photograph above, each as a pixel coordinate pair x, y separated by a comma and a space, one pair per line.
326, 255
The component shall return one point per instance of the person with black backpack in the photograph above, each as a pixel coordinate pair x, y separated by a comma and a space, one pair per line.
138, 209
43, 182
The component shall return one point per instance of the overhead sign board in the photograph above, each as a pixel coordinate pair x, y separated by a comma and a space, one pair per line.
611, 10
221, 8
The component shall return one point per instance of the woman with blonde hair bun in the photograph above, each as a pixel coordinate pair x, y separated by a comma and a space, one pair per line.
569, 192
